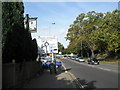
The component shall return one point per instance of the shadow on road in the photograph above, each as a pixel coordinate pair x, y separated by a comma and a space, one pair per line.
67, 69
86, 84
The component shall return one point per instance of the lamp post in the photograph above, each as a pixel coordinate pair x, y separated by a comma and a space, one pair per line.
50, 28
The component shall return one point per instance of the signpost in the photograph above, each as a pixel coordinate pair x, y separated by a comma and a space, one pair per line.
30, 23
33, 25
49, 45
46, 44
51, 42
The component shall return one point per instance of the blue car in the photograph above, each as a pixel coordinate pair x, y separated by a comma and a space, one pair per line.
58, 64
48, 63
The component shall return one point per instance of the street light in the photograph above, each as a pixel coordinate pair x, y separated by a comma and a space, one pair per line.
50, 27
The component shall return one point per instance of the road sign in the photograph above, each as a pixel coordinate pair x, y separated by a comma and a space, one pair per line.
51, 42
33, 25
46, 43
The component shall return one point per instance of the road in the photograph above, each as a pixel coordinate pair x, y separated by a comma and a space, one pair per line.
93, 76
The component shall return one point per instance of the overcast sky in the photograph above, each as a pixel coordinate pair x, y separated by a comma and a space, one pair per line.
62, 14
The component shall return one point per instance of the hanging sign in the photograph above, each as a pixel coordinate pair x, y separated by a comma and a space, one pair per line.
33, 25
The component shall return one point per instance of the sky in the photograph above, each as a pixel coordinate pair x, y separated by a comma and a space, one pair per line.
62, 14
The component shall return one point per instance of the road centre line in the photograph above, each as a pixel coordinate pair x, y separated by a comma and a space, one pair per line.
104, 69
91, 66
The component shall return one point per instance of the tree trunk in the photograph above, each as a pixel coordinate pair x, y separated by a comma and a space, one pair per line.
87, 54
93, 55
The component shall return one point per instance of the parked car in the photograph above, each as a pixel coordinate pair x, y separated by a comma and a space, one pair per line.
46, 64
55, 62
81, 59
49, 59
93, 61
58, 64
77, 58
73, 57
69, 57
43, 59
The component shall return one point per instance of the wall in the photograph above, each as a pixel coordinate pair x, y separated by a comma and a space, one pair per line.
15, 75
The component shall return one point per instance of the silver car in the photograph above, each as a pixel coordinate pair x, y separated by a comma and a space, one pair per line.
81, 59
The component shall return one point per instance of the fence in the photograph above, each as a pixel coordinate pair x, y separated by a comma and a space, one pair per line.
14, 75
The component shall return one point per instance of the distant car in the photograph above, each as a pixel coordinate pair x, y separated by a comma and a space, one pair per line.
81, 59
77, 58
93, 61
69, 57
73, 57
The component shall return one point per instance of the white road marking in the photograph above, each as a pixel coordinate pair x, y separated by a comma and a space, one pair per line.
72, 76
104, 69
92, 66
64, 67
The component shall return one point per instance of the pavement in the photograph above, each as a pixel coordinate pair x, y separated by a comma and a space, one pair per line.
63, 79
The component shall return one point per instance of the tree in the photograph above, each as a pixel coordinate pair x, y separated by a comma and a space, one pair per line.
12, 22
60, 48
92, 30
34, 49
17, 42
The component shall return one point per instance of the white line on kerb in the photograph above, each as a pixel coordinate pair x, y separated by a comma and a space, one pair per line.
64, 67
72, 75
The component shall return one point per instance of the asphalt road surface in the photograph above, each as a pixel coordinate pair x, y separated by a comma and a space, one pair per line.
93, 76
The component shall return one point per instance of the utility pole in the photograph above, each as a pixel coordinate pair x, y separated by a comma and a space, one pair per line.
81, 49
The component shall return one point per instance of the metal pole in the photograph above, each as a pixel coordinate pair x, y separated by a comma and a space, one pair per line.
46, 50
27, 22
50, 28
52, 56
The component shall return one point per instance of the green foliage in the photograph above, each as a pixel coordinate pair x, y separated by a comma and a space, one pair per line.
60, 48
16, 42
34, 50
12, 23
97, 31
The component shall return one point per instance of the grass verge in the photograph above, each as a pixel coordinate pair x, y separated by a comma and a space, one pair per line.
111, 61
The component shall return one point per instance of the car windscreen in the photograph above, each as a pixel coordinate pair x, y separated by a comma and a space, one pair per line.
95, 60
42, 57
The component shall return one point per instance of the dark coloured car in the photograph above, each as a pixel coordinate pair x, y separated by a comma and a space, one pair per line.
93, 61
